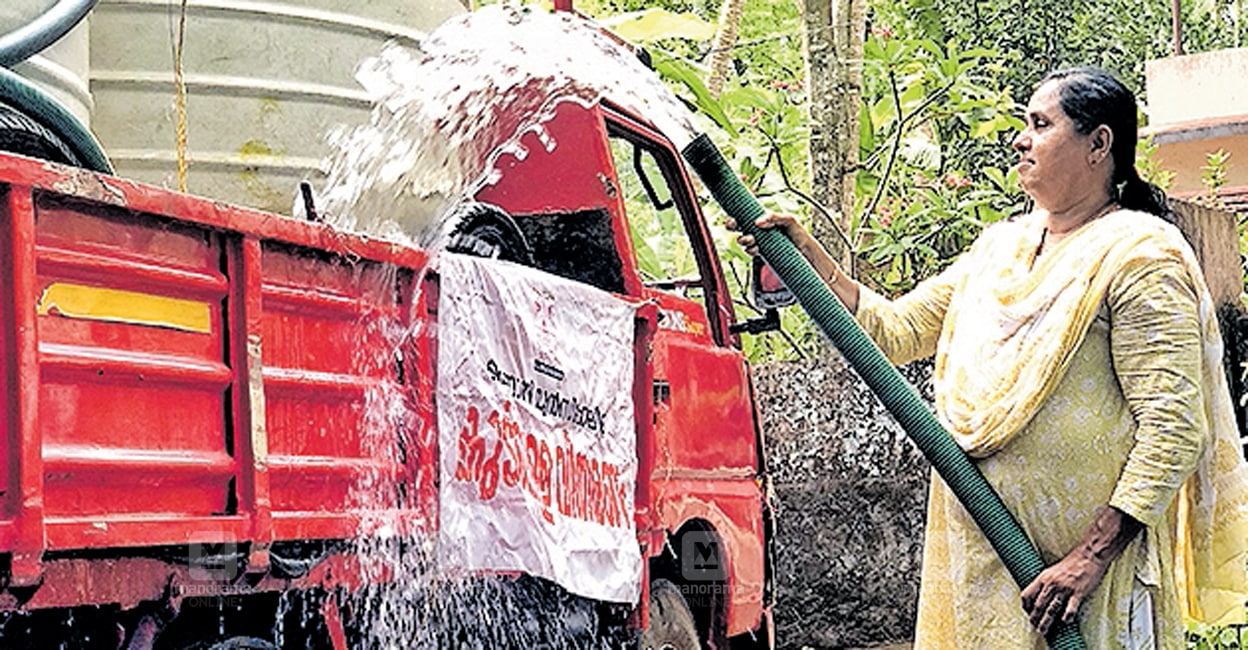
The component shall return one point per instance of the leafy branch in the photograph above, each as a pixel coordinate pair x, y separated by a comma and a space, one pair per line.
900, 132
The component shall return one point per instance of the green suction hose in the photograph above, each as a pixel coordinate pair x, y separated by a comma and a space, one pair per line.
42, 108
1003, 531
30, 39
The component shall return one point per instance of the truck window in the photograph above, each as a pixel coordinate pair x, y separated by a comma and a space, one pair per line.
665, 257
575, 245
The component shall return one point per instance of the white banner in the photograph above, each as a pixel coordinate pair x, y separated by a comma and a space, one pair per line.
535, 419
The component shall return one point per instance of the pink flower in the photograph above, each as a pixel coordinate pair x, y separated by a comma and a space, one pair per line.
957, 181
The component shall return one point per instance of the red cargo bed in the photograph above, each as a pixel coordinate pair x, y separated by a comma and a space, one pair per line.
225, 376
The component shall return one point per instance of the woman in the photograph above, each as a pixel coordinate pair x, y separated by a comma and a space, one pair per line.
1078, 360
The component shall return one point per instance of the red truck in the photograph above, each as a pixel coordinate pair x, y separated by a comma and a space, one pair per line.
186, 432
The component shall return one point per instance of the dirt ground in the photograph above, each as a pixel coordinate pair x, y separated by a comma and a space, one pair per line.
849, 495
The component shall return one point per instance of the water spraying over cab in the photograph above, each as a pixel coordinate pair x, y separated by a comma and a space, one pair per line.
445, 114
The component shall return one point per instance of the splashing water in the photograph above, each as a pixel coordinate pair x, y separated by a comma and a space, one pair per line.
410, 601
446, 114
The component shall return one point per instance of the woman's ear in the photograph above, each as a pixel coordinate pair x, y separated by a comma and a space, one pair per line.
1102, 139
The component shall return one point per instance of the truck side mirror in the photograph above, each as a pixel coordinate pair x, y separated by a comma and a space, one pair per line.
768, 289
769, 294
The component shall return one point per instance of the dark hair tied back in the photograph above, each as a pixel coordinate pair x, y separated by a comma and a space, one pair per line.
1091, 97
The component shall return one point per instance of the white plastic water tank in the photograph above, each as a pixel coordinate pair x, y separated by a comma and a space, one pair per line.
265, 83
61, 69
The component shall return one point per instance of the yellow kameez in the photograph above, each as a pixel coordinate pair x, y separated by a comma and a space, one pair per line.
1064, 419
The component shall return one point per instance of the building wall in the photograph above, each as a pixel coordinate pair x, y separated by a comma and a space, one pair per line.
1198, 104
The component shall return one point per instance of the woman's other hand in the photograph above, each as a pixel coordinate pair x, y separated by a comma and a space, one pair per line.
1058, 592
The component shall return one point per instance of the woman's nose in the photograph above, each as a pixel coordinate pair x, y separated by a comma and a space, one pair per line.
1020, 142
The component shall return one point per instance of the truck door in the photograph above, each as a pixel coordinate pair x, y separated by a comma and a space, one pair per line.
706, 463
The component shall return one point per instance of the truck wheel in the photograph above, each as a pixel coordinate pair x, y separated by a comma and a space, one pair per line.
671, 623
243, 643
486, 230
21, 135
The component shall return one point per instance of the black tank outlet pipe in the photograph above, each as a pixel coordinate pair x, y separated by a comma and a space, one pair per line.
1003, 531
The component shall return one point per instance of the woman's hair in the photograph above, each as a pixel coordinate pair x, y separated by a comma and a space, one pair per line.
1091, 97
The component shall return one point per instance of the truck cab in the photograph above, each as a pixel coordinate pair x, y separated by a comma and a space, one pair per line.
702, 501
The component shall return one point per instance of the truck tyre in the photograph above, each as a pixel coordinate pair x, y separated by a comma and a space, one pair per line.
243, 643
22, 135
485, 230
671, 623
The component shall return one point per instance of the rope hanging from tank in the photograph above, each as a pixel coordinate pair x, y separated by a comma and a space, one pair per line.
179, 99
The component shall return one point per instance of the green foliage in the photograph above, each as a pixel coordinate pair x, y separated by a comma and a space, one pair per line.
922, 198
1213, 173
659, 24
943, 81
1034, 38
1150, 170
1212, 637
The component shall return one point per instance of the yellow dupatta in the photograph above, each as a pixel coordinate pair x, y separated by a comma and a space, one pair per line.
1018, 332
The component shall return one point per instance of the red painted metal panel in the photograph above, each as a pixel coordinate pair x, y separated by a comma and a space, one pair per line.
421, 438
643, 401
329, 525
146, 428
251, 446
25, 502
136, 197
707, 422
577, 174
118, 532
109, 232
336, 411
571, 172
111, 482
8, 371
127, 404
86, 266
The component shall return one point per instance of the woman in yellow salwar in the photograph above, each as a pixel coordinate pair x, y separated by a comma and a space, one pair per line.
1077, 359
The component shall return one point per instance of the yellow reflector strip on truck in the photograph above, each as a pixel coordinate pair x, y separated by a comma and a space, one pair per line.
117, 306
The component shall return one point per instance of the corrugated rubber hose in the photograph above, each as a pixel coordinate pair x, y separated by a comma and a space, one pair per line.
44, 109
41, 107
31, 38
1003, 531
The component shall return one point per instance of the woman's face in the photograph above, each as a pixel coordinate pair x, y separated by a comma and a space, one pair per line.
1054, 165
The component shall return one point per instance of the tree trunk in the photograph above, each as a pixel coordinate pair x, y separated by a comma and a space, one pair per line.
833, 43
721, 48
